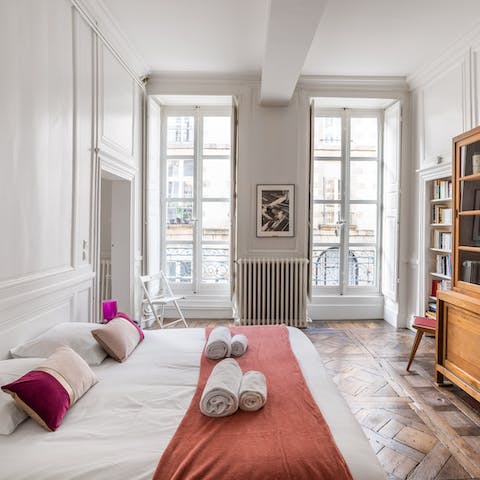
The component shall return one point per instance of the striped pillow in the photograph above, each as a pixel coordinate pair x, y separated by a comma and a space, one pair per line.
48, 391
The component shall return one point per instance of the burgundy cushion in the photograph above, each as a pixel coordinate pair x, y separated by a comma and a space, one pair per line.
425, 322
48, 391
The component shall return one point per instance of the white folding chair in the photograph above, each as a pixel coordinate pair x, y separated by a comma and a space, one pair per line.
151, 304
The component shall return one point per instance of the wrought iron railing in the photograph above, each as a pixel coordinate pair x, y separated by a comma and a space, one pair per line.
326, 267
215, 264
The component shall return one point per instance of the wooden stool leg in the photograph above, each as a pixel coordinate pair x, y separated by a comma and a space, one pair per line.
416, 343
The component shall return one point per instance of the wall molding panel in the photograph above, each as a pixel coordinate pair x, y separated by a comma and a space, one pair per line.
51, 252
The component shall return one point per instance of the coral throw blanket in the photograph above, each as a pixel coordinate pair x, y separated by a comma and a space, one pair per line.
287, 439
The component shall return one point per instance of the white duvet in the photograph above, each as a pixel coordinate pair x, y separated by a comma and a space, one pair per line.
120, 428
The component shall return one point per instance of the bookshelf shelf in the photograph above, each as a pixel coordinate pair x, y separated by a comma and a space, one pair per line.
440, 275
470, 178
439, 238
468, 249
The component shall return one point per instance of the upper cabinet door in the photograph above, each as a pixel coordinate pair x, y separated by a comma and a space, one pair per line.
116, 107
443, 114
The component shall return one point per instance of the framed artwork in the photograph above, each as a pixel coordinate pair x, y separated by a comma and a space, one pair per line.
275, 210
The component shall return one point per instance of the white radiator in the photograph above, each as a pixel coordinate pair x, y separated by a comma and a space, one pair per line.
272, 291
105, 279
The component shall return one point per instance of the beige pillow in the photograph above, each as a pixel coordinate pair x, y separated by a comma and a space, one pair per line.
119, 337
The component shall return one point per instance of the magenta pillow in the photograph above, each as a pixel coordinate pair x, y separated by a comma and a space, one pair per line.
47, 392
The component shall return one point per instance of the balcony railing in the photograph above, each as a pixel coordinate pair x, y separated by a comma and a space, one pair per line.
215, 265
326, 267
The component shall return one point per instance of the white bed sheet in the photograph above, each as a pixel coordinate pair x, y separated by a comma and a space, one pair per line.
120, 428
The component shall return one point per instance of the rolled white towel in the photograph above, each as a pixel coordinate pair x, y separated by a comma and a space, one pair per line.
219, 343
239, 344
253, 391
220, 395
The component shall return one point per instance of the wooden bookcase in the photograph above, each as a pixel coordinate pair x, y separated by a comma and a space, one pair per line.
458, 310
439, 238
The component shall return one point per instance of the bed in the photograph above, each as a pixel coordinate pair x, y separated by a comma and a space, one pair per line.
121, 426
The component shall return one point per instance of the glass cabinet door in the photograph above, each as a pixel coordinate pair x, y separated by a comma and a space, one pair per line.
468, 207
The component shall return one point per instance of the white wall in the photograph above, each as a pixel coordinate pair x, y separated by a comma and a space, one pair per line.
274, 148
445, 103
49, 169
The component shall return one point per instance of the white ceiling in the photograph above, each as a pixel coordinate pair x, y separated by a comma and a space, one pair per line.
353, 37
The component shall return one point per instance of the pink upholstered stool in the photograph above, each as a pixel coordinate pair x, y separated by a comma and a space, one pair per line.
422, 325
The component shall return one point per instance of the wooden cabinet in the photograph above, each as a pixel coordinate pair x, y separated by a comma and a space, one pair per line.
458, 310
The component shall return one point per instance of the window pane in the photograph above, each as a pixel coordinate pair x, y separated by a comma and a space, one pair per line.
361, 267
179, 178
215, 221
216, 178
327, 137
363, 180
325, 266
179, 221
179, 263
180, 135
215, 264
216, 136
325, 228
363, 137
363, 223
327, 180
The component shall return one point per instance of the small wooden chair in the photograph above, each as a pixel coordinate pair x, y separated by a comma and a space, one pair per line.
422, 325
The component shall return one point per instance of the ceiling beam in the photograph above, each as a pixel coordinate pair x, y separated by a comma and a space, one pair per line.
291, 27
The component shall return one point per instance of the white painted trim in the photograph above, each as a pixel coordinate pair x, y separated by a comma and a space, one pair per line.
107, 28
351, 82
33, 290
453, 54
117, 167
107, 144
346, 307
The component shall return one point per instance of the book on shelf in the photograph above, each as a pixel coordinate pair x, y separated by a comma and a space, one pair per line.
442, 214
438, 285
442, 189
442, 240
444, 265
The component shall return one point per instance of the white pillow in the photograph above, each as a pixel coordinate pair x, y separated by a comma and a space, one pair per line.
76, 335
10, 415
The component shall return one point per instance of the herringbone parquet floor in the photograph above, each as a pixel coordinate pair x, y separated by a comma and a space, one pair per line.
418, 430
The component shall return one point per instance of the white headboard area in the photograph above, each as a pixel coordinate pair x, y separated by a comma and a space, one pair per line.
31, 306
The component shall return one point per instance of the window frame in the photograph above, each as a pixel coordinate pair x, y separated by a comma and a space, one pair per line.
346, 114
197, 285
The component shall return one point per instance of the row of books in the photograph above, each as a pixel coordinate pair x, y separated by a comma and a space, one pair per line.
441, 214
431, 310
444, 265
442, 189
442, 240
440, 285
